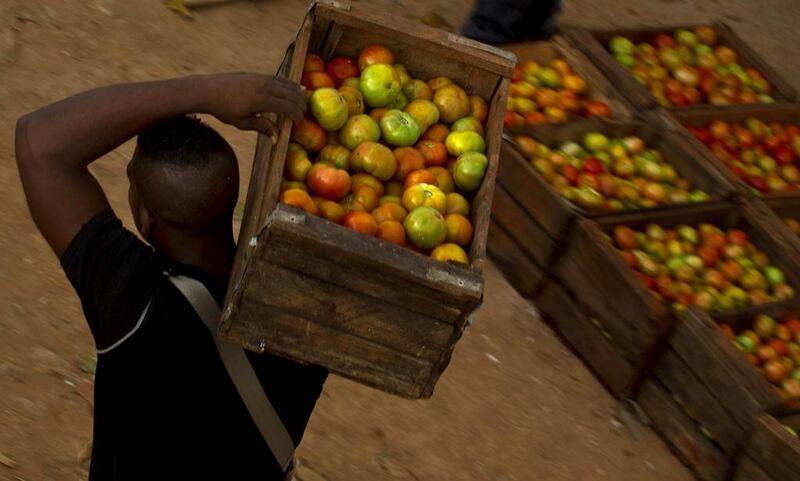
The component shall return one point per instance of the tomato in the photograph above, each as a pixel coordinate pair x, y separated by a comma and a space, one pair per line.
316, 80
329, 209
366, 196
409, 159
377, 114
424, 195
450, 252
296, 166
478, 108
374, 158
439, 82
390, 199
395, 188
444, 180
327, 181
417, 90
358, 129
512, 119
309, 135
399, 128
337, 155
457, 204
779, 346
436, 133
341, 68
403, 74
459, 229
313, 63
389, 211
737, 237
458, 143
596, 109
419, 177
392, 231
468, 124
425, 227
350, 204
361, 222
353, 98
375, 54
380, 85
298, 198
366, 179
470, 169
532, 118
435, 153
424, 113
292, 184
452, 102
329, 108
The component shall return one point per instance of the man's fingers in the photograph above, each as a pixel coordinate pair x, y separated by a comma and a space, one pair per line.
282, 106
260, 124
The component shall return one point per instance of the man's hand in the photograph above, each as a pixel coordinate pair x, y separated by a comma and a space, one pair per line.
243, 99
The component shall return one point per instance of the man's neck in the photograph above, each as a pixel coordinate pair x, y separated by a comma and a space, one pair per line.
210, 252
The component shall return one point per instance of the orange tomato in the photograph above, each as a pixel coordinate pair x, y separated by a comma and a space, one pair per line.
428, 195
419, 177
479, 109
366, 196
436, 132
329, 209
313, 63
361, 222
459, 229
535, 118
369, 180
389, 211
378, 114
394, 188
409, 159
309, 135
350, 204
435, 153
375, 54
444, 180
392, 231
316, 80
457, 204
298, 198
450, 252
291, 184
395, 199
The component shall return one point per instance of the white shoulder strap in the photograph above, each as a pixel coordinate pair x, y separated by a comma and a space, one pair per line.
241, 372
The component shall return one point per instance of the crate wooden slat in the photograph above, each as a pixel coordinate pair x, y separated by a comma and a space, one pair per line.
772, 454
555, 213
781, 209
599, 88
516, 266
316, 292
593, 43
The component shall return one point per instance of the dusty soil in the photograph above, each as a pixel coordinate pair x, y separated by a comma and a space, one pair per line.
515, 404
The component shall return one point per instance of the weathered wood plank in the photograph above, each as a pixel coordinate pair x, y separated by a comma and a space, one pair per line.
336, 307
774, 450
523, 274
748, 470
587, 340
681, 434
525, 231
305, 341
693, 395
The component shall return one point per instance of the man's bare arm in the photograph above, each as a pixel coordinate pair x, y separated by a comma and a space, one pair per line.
55, 144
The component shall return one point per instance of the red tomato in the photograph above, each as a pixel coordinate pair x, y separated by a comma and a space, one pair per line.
361, 222
593, 166
341, 68
327, 181
596, 109
737, 237
778, 345
571, 173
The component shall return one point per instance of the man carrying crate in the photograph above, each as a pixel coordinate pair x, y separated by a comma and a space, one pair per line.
170, 400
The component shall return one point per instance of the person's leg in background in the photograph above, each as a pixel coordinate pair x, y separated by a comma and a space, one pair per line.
505, 21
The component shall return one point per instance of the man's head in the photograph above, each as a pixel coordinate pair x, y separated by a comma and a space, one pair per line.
184, 178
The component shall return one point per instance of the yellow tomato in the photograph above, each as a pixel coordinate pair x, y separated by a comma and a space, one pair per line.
425, 195
450, 252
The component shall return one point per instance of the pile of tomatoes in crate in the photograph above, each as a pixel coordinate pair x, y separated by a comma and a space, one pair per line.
550, 93
763, 155
713, 269
773, 347
388, 155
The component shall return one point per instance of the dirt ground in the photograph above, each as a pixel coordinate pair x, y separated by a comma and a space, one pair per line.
514, 404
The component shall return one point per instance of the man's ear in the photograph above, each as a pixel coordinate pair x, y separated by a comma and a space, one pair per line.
146, 222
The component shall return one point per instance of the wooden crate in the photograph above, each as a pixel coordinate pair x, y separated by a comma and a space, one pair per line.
315, 292
599, 87
784, 208
714, 394
594, 42
772, 454
701, 117
588, 339
554, 213
513, 261
595, 274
